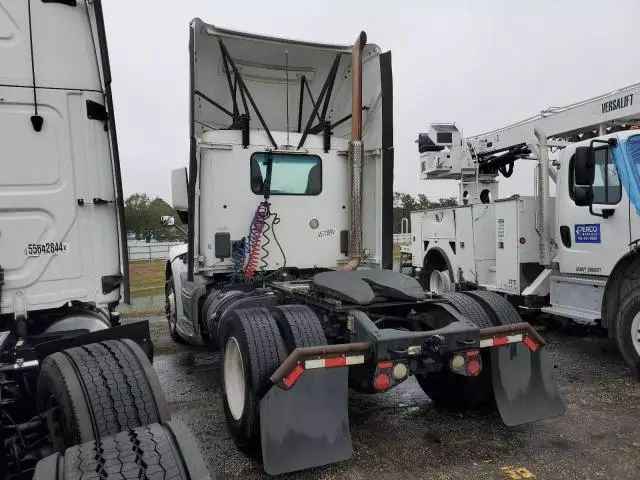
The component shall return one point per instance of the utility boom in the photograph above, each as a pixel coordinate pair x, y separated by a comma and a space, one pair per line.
609, 113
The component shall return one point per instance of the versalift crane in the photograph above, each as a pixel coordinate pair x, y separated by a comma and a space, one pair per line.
572, 255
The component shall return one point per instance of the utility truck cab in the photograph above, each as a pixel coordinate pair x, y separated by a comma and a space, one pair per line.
597, 226
594, 225
287, 269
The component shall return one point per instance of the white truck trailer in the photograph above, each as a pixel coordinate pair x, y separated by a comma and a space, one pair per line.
287, 268
73, 384
573, 255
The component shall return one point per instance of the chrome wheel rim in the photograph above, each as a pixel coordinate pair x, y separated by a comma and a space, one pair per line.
234, 384
171, 309
439, 282
635, 333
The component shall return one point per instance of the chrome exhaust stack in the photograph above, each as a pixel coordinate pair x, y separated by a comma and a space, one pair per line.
356, 154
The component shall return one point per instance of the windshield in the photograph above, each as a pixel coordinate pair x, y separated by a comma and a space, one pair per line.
291, 174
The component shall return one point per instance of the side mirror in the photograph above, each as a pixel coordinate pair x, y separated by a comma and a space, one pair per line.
583, 195
167, 221
179, 193
584, 166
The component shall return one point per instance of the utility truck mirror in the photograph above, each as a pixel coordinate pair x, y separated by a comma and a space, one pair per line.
179, 193
583, 195
584, 166
167, 221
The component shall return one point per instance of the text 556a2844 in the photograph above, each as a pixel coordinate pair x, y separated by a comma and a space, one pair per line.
48, 248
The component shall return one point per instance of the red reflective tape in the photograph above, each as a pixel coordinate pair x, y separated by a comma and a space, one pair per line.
533, 346
335, 362
293, 377
500, 341
383, 365
473, 353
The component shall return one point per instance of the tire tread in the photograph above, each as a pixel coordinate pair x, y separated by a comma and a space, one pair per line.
503, 312
153, 452
300, 326
107, 389
470, 308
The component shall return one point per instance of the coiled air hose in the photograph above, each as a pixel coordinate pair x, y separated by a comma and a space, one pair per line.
255, 240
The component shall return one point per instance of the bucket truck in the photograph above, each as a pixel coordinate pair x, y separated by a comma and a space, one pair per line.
574, 255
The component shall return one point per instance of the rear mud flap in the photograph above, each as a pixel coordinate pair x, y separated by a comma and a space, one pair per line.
524, 386
308, 425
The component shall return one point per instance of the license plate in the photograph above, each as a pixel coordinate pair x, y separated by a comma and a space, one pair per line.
46, 249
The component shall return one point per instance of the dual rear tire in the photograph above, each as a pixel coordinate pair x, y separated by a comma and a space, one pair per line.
106, 413
254, 342
458, 392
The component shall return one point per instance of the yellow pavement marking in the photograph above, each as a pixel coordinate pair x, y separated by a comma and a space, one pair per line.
516, 473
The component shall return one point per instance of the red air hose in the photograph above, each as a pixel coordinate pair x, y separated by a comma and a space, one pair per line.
255, 239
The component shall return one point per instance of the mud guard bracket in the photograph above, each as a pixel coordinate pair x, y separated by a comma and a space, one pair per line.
308, 425
523, 383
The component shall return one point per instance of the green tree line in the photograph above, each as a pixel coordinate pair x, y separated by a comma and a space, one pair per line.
405, 203
142, 218
142, 214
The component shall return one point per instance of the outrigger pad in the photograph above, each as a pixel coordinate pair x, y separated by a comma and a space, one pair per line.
306, 426
363, 286
523, 384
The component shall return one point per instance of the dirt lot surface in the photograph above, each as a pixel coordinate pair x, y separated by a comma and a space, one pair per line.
401, 434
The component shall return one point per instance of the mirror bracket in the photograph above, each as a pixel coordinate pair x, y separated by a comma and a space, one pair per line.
606, 212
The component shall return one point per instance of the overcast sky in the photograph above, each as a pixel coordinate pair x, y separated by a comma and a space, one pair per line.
481, 63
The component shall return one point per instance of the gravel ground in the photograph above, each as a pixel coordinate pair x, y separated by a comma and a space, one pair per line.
401, 434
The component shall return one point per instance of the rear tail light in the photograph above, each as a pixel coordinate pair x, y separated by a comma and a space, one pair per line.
382, 382
473, 367
467, 363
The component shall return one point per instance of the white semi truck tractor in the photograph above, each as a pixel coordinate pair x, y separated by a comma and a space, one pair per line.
574, 255
287, 270
78, 395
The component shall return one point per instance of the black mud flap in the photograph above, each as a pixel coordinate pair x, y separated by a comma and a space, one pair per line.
308, 425
524, 386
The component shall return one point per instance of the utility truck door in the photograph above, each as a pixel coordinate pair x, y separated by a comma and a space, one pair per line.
589, 243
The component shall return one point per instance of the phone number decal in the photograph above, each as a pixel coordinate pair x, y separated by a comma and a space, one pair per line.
43, 249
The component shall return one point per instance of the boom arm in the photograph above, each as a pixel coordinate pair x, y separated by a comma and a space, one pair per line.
617, 110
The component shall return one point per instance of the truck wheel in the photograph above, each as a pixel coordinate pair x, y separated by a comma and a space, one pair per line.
159, 451
171, 311
252, 350
497, 307
454, 391
98, 390
627, 330
299, 326
470, 308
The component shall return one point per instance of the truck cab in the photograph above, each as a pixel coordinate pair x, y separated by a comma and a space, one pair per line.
591, 238
62, 239
597, 224
287, 267
268, 189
